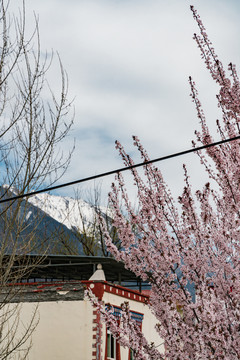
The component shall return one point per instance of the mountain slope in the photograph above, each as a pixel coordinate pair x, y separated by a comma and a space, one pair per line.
38, 228
79, 217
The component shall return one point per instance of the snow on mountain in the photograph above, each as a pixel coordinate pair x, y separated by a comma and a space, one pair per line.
73, 213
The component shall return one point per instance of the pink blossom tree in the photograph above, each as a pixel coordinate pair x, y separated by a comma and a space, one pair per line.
193, 242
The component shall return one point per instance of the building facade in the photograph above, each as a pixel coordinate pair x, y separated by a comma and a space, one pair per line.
68, 327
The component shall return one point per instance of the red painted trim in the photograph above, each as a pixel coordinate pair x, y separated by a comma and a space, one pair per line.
96, 287
103, 286
97, 335
105, 355
118, 349
45, 284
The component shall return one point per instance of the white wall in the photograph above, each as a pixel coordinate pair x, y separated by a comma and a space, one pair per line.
65, 328
64, 331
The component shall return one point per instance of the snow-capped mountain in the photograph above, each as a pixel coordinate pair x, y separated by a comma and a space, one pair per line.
73, 213
60, 223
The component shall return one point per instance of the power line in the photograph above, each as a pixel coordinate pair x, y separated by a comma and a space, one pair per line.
120, 170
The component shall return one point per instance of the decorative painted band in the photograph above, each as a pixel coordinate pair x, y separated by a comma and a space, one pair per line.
99, 287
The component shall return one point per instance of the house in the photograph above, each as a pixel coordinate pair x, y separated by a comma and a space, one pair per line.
68, 327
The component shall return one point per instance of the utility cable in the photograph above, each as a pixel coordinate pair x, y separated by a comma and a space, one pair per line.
119, 170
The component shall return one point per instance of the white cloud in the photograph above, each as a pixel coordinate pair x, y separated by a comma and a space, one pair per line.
128, 63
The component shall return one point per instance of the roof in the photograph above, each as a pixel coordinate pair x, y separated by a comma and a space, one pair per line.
73, 267
41, 292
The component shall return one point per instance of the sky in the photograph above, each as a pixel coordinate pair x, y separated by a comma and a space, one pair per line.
128, 63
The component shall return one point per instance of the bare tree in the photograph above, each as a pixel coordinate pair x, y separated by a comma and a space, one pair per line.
88, 233
31, 131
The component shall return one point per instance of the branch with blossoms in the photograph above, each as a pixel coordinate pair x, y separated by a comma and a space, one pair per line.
188, 249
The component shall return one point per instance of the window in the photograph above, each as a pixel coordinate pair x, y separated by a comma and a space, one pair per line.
111, 346
131, 354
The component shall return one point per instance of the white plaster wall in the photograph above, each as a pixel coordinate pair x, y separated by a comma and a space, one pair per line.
148, 325
64, 331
